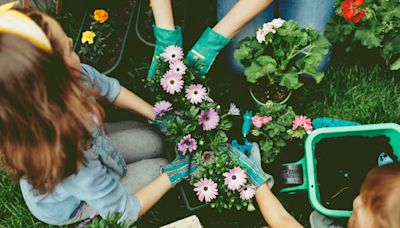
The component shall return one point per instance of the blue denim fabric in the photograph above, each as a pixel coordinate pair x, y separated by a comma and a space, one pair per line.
305, 12
96, 183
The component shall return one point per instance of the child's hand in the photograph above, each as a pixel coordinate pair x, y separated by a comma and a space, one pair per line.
206, 49
163, 39
180, 168
257, 176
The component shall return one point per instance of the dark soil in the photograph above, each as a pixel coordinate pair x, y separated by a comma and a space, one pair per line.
119, 17
342, 165
265, 91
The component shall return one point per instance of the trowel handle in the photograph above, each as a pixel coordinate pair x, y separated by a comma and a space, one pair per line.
294, 174
246, 123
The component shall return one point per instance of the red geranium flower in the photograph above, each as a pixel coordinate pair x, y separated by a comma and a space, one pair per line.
350, 11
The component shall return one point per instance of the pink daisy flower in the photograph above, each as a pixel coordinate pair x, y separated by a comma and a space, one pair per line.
187, 144
172, 53
247, 192
178, 67
209, 119
160, 108
172, 82
206, 189
302, 121
235, 178
208, 157
196, 93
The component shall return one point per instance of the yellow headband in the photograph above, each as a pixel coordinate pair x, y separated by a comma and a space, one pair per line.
17, 23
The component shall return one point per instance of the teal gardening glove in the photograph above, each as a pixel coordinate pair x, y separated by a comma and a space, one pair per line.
179, 169
206, 49
163, 39
257, 176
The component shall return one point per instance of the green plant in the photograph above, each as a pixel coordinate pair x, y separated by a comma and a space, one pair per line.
281, 52
109, 221
378, 27
94, 40
273, 135
194, 124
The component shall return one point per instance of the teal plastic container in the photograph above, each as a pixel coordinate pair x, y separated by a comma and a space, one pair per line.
308, 162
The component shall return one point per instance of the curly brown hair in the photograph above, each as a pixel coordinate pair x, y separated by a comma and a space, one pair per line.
46, 113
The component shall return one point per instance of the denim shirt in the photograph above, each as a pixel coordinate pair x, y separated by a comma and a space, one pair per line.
96, 183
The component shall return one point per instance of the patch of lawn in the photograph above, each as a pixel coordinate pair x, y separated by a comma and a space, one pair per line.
362, 94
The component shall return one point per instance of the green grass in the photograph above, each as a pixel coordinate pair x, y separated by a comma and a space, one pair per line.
361, 94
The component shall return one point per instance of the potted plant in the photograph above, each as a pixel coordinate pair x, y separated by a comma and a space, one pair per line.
277, 56
104, 33
274, 126
372, 24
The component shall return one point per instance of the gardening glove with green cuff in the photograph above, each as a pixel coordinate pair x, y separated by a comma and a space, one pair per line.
180, 168
257, 176
206, 49
163, 39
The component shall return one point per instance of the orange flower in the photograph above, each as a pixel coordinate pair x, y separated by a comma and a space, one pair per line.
100, 15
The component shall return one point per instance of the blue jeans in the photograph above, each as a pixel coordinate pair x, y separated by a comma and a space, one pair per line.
305, 12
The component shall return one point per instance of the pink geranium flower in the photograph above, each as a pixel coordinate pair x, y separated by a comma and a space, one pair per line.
196, 93
162, 107
302, 121
209, 119
206, 189
247, 192
277, 23
178, 67
258, 121
235, 178
187, 144
172, 53
172, 82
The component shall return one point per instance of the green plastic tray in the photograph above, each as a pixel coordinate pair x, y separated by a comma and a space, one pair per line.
308, 162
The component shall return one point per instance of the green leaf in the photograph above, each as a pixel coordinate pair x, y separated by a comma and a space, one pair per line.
242, 53
395, 65
259, 68
290, 80
368, 38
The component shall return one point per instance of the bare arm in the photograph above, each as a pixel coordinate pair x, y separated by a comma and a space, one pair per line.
273, 211
163, 16
152, 193
131, 102
239, 16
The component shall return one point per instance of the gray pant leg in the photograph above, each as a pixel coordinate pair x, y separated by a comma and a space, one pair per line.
123, 125
142, 173
136, 143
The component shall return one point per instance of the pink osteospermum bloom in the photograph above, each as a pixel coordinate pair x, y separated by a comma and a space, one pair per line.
172, 82
206, 189
178, 67
172, 53
208, 157
209, 119
162, 107
187, 144
196, 93
247, 192
235, 178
